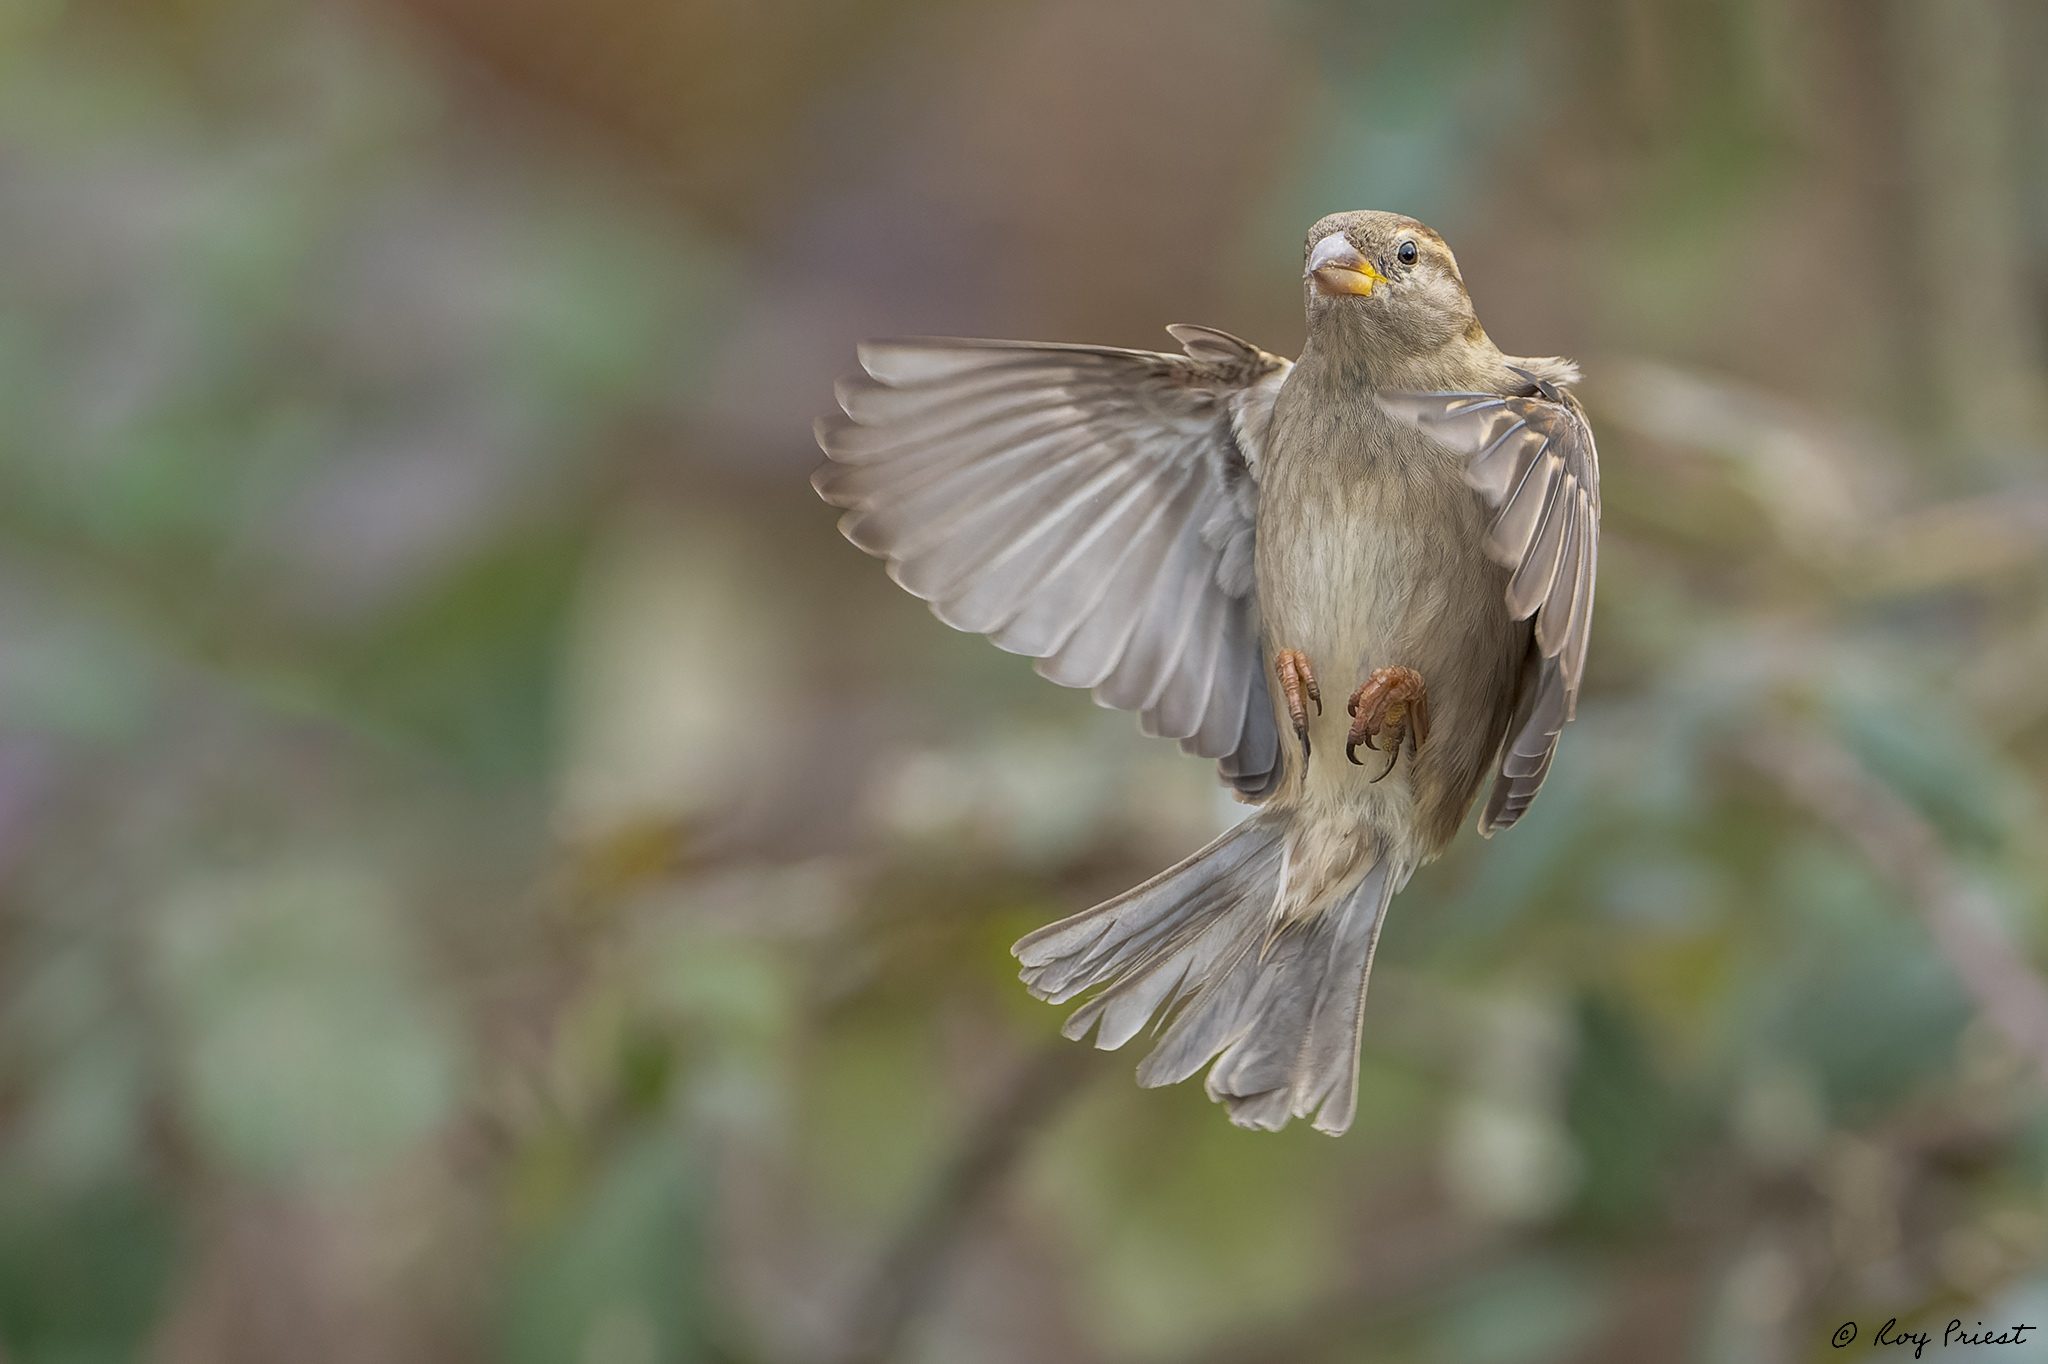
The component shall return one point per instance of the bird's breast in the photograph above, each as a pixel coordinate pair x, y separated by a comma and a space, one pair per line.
1371, 554
1368, 542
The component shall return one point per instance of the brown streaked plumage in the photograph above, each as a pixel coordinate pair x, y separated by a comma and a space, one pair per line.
1204, 538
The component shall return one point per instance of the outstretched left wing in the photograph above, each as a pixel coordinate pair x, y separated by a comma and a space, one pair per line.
1531, 459
1089, 506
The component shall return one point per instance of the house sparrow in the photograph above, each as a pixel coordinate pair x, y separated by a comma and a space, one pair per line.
1404, 515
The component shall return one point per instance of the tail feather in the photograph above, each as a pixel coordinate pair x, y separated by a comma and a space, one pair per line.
1331, 1050
1299, 1057
1207, 1023
1259, 1060
1112, 940
1278, 1012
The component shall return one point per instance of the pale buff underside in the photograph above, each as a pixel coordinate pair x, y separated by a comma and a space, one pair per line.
1371, 554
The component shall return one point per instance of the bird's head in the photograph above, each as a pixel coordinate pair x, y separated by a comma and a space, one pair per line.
1384, 281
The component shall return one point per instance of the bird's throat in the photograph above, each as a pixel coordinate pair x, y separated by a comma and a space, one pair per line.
1350, 351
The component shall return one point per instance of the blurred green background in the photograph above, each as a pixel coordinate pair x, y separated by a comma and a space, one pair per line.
486, 873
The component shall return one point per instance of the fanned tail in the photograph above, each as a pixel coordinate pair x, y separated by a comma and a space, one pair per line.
1277, 1007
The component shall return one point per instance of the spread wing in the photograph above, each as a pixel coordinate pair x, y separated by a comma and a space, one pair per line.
1090, 507
1532, 460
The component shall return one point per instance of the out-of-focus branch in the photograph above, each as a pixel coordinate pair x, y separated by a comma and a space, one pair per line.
914, 1262
1841, 497
1831, 785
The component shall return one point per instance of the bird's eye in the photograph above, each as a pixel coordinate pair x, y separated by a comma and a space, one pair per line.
1406, 253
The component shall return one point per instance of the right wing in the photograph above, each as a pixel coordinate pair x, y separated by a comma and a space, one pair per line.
1087, 506
1533, 463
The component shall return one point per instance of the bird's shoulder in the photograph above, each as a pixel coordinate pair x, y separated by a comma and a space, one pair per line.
1553, 375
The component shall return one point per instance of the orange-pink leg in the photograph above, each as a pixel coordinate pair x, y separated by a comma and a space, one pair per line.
1298, 688
1391, 705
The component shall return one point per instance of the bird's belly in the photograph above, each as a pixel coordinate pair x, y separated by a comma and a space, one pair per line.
1368, 573
1353, 587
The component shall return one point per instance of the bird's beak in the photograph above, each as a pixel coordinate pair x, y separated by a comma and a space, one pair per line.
1337, 268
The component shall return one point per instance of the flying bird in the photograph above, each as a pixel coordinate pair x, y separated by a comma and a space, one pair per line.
1404, 519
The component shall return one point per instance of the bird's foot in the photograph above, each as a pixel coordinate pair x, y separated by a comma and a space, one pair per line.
1298, 688
1390, 705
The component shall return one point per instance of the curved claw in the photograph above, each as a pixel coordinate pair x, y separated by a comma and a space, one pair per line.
1393, 757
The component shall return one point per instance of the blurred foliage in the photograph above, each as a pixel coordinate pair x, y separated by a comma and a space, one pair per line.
489, 875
